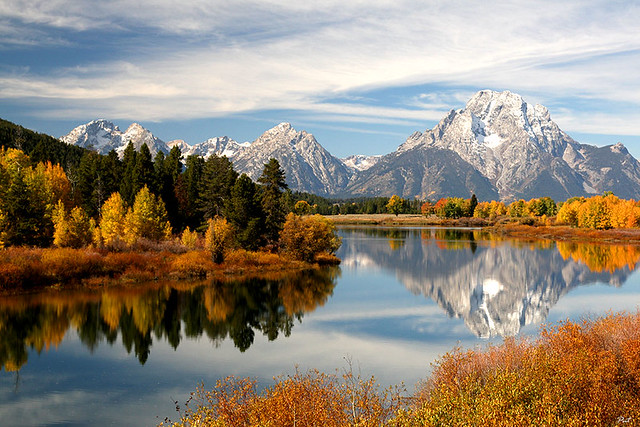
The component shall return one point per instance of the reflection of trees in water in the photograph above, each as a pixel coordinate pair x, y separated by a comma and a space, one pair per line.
495, 283
234, 309
601, 258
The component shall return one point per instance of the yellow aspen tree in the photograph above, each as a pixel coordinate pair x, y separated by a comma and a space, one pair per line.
57, 183
79, 228
72, 229
111, 228
147, 218
305, 237
302, 207
60, 225
394, 205
218, 238
189, 238
4, 237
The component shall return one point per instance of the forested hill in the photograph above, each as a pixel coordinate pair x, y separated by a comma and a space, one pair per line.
39, 147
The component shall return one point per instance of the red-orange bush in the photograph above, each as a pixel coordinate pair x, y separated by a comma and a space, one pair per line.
193, 264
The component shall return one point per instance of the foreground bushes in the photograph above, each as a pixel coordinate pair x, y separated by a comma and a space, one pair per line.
585, 373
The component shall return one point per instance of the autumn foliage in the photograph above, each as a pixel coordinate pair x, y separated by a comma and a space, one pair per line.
574, 373
303, 399
305, 237
600, 212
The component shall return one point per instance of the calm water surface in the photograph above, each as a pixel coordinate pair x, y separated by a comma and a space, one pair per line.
400, 298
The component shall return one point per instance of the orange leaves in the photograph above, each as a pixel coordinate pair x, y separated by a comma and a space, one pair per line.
601, 258
600, 213
574, 374
303, 399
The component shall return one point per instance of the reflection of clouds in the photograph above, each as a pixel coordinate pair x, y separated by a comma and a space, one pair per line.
378, 314
356, 261
598, 299
50, 408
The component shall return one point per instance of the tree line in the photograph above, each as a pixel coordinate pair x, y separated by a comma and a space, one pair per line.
597, 212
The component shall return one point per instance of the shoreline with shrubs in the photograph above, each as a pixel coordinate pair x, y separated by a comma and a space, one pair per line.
574, 373
33, 269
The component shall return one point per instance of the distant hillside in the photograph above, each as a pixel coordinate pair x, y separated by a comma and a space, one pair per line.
38, 146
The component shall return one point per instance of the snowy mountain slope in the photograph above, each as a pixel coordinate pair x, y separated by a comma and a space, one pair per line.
103, 136
221, 146
498, 146
307, 165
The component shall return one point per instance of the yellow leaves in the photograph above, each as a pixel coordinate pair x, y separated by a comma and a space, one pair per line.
600, 213
218, 238
189, 238
57, 183
73, 230
601, 258
302, 207
305, 237
146, 219
4, 237
394, 205
112, 221
492, 209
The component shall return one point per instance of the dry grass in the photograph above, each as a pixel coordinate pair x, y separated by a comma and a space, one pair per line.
561, 232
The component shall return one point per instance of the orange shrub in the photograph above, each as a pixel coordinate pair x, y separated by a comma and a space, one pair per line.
310, 399
574, 374
64, 264
193, 264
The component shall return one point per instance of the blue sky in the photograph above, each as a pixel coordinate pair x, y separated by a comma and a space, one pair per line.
360, 75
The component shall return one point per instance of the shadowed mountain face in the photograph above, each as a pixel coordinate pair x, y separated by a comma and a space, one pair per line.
497, 287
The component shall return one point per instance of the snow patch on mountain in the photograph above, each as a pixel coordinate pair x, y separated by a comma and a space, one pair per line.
360, 162
103, 136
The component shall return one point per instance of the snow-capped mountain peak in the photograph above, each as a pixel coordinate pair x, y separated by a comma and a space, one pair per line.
103, 136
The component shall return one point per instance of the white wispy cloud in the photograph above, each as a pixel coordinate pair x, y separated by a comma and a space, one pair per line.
230, 57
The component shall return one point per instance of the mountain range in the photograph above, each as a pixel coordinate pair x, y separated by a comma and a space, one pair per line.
498, 147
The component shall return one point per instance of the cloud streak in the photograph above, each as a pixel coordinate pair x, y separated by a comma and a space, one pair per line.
225, 58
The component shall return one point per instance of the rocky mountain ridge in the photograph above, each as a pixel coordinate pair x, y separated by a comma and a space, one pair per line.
498, 146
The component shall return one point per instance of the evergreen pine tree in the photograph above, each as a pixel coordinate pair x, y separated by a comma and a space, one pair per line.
272, 183
472, 204
128, 165
187, 191
245, 213
143, 173
218, 177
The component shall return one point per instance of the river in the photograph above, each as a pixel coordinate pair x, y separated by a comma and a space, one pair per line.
401, 298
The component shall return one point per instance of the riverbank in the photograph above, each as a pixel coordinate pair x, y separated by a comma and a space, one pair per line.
503, 226
582, 373
27, 269
406, 220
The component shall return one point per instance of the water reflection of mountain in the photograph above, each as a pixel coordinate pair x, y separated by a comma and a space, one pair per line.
219, 310
495, 286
